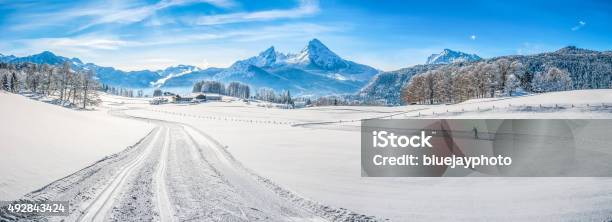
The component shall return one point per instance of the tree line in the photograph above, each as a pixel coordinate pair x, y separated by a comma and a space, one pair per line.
118, 91
484, 79
241, 90
235, 89
67, 86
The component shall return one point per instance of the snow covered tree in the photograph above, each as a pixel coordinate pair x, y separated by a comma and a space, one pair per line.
212, 87
5, 83
285, 98
512, 82
558, 79
266, 94
14, 83
237, 89
157, 92
197, 87
503, 69
554, 79
64, 80
90, 96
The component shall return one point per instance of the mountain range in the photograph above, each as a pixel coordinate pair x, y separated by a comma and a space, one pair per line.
315, 70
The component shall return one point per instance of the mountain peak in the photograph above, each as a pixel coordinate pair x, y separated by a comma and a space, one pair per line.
268, 53
45, 54
316, 46
316, 53
448, 56
316, 43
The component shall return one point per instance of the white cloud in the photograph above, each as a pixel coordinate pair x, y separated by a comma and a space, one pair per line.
136, 14
306, 7
579, 26
473, 37
97, 13
84, 43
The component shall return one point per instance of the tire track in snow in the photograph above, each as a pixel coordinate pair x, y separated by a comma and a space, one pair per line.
102, 204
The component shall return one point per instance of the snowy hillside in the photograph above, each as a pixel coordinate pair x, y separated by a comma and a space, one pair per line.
448, 56
47, 142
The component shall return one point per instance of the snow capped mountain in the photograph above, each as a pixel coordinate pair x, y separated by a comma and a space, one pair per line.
268, 58
317, 54
315, 57
448, 56
314, 70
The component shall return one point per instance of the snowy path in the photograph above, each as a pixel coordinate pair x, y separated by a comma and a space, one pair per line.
179, 173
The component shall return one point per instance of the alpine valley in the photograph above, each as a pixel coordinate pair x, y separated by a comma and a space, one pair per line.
318, 71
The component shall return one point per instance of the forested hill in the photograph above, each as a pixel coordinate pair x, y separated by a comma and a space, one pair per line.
587, 69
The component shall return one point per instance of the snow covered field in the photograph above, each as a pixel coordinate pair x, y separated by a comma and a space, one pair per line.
313, 152
321, 161
43, 142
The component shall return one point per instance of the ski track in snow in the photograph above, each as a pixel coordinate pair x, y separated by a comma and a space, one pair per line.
163, 202
102, 204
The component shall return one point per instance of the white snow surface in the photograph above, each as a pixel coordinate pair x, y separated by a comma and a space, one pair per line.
42, 142
315, 152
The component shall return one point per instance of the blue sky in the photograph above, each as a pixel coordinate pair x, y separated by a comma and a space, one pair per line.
388, 35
